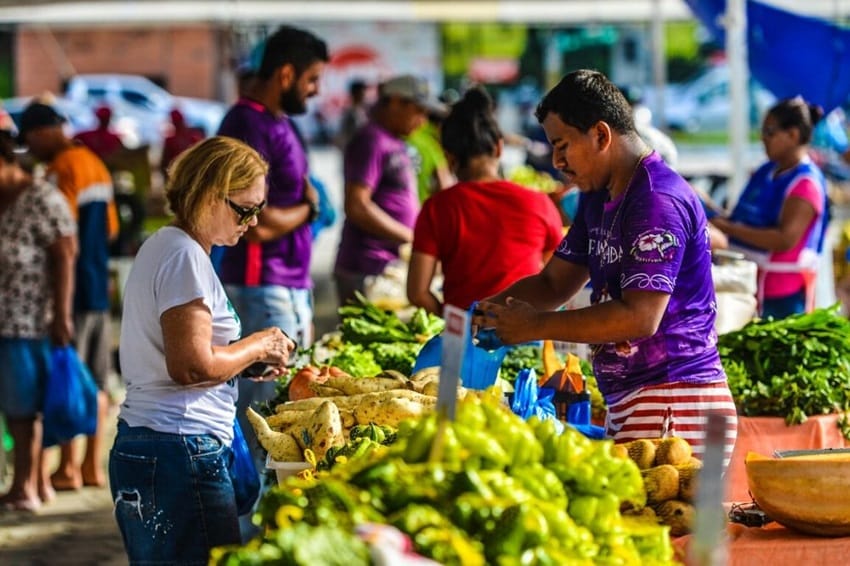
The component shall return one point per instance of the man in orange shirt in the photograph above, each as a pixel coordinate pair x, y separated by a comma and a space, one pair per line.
84, 180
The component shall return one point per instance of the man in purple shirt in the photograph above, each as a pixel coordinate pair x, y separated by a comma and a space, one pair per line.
267, 274
641, 238
381, 201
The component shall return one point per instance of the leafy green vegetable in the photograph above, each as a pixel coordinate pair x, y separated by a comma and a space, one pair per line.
794, 367
364, 323
519, 358
400, 356
356, 360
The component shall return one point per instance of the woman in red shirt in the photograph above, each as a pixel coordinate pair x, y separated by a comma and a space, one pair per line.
485, 232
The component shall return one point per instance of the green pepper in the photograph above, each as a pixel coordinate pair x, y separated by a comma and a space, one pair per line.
482, 444
419, 442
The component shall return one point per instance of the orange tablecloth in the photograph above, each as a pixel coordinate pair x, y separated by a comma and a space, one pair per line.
774, 545
766, 434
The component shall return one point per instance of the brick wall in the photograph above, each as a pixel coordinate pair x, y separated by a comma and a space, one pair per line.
187, 59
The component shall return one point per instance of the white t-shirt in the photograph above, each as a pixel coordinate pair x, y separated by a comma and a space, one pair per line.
172, 269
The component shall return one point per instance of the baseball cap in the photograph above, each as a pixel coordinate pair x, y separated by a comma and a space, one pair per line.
38, 115
412, 88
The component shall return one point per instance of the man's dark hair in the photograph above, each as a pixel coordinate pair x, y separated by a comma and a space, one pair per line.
290, 45
586, 97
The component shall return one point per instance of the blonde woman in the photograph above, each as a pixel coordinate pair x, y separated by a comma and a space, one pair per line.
181, 348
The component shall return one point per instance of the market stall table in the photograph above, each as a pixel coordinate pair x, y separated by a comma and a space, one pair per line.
774, 544
764, 435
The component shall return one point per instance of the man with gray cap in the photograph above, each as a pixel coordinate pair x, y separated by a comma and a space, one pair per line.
381, 200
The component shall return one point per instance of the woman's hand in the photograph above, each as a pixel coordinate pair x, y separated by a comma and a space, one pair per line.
277, 347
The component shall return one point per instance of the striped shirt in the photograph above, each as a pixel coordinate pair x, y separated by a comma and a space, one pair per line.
674, 409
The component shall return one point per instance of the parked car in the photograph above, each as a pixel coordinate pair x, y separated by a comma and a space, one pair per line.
145, 101
703, 104
80, 117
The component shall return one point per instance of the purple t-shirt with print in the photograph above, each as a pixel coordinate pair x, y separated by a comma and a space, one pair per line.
379, 160
654, 237
286, 260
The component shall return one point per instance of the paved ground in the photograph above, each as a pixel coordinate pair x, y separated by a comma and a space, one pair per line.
77, 529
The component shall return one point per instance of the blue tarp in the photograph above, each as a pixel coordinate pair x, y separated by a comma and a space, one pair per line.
789, 54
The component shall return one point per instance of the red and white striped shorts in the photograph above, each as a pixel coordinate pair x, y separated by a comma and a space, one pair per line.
674, 409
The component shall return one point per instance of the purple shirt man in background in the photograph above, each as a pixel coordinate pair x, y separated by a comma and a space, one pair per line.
378, 159
381, 201
283, 261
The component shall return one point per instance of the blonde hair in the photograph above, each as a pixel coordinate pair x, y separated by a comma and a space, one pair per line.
208, 171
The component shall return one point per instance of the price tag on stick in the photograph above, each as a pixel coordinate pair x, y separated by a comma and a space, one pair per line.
455, 340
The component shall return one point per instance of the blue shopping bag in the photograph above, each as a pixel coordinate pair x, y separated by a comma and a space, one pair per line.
70, 403
481, 361
243, 472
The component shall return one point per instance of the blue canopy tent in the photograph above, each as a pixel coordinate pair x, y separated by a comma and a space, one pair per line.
789, 54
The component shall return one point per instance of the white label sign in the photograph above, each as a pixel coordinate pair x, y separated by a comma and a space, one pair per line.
455, 339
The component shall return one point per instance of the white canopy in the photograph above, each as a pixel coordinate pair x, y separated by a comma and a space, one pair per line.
532, 11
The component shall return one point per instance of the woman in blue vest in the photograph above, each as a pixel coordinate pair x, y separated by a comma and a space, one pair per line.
781, 218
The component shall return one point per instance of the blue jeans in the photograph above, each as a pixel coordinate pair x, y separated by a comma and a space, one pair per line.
173, 495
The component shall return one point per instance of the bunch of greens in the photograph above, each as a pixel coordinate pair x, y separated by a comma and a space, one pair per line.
794, 367
400, 356
519, 358
356, 360
598, 407
364, 323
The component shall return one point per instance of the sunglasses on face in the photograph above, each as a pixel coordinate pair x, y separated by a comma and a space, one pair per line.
246, 213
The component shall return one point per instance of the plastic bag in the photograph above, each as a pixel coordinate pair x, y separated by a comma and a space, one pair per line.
531, 400
70, 404
578, 416
243, 472
481, 362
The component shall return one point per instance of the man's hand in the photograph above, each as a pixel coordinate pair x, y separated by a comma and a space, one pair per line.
514, 322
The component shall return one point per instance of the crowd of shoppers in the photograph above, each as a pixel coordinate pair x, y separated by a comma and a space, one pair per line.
639, 237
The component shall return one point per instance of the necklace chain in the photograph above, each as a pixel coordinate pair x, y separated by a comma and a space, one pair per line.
642, 156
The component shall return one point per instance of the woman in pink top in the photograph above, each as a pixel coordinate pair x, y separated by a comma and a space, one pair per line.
781, 218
